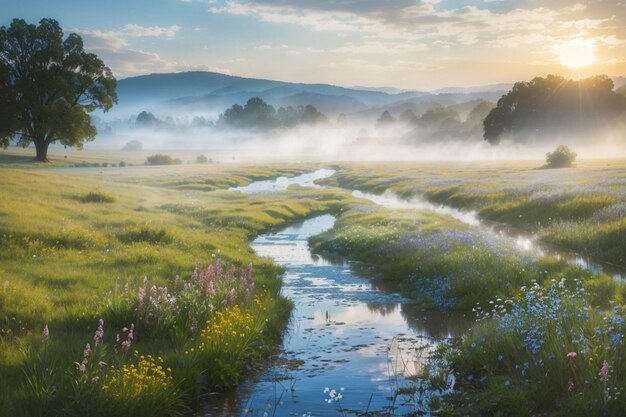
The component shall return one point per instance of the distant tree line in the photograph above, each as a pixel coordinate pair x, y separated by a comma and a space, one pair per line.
258, 114
146, 119
554, 106
438, 123
255, 114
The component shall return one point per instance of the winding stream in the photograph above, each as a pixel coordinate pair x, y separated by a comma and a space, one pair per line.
345, 332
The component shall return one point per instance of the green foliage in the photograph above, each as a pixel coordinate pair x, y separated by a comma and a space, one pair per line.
162, 159
145, 233
54, 82
561, 157
96, 197
201, 159
554, 106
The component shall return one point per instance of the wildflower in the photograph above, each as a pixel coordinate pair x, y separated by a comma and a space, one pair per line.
46, 333
604, 372
571, 355
97, 337
129, 337
570, 385
82, 367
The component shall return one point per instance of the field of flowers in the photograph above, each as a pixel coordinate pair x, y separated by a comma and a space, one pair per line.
580, 208
545, 351
134, 291
444, 263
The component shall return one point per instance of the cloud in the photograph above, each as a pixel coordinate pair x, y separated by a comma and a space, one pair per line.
416, 20
152, 31
113, 48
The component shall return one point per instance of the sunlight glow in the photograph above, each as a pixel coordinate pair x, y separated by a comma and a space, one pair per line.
576, 53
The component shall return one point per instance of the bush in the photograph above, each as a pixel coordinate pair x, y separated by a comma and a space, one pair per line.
122, 164
133, 145
562, 157
96, 197
162, 159
146, 234
201, 159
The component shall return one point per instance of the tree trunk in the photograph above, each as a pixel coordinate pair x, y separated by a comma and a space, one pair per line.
41, 146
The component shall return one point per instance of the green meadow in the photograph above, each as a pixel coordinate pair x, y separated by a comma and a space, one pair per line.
580, 208
135, 288
76, 246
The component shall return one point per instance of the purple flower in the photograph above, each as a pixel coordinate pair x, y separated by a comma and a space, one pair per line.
97, 337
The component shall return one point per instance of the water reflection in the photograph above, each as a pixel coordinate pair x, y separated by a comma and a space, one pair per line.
344, 332
282, 183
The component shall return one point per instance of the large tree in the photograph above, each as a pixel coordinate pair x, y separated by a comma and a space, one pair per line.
554, 106
48, 85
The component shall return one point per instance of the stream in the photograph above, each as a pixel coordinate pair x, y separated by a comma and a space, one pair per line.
346, 333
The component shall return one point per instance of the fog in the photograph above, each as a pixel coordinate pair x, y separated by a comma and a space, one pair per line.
354, 140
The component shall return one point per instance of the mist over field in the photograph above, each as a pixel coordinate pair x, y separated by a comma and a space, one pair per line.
185, 111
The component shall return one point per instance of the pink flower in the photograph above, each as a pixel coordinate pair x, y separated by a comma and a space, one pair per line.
604, 372
97, 337
571, 355
46, 333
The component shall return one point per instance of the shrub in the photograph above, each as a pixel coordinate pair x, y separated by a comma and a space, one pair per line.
201, 159
122, 164
162, 159
96, 197
145, 233
562, 157
133, 145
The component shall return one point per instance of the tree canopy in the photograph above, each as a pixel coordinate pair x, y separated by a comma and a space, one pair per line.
48, 85
554, 106
258, 114
385, 119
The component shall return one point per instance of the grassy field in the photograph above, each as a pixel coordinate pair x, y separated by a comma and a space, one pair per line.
136, 289
443, 262
76, 246
581, 208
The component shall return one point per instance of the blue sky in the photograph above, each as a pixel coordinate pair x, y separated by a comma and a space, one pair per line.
402, 43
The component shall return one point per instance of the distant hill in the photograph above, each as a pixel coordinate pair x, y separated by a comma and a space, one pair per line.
210, 91
210, 87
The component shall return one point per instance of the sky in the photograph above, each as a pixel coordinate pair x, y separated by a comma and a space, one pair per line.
407, 44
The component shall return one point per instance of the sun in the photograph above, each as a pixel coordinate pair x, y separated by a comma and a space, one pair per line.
576, 53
